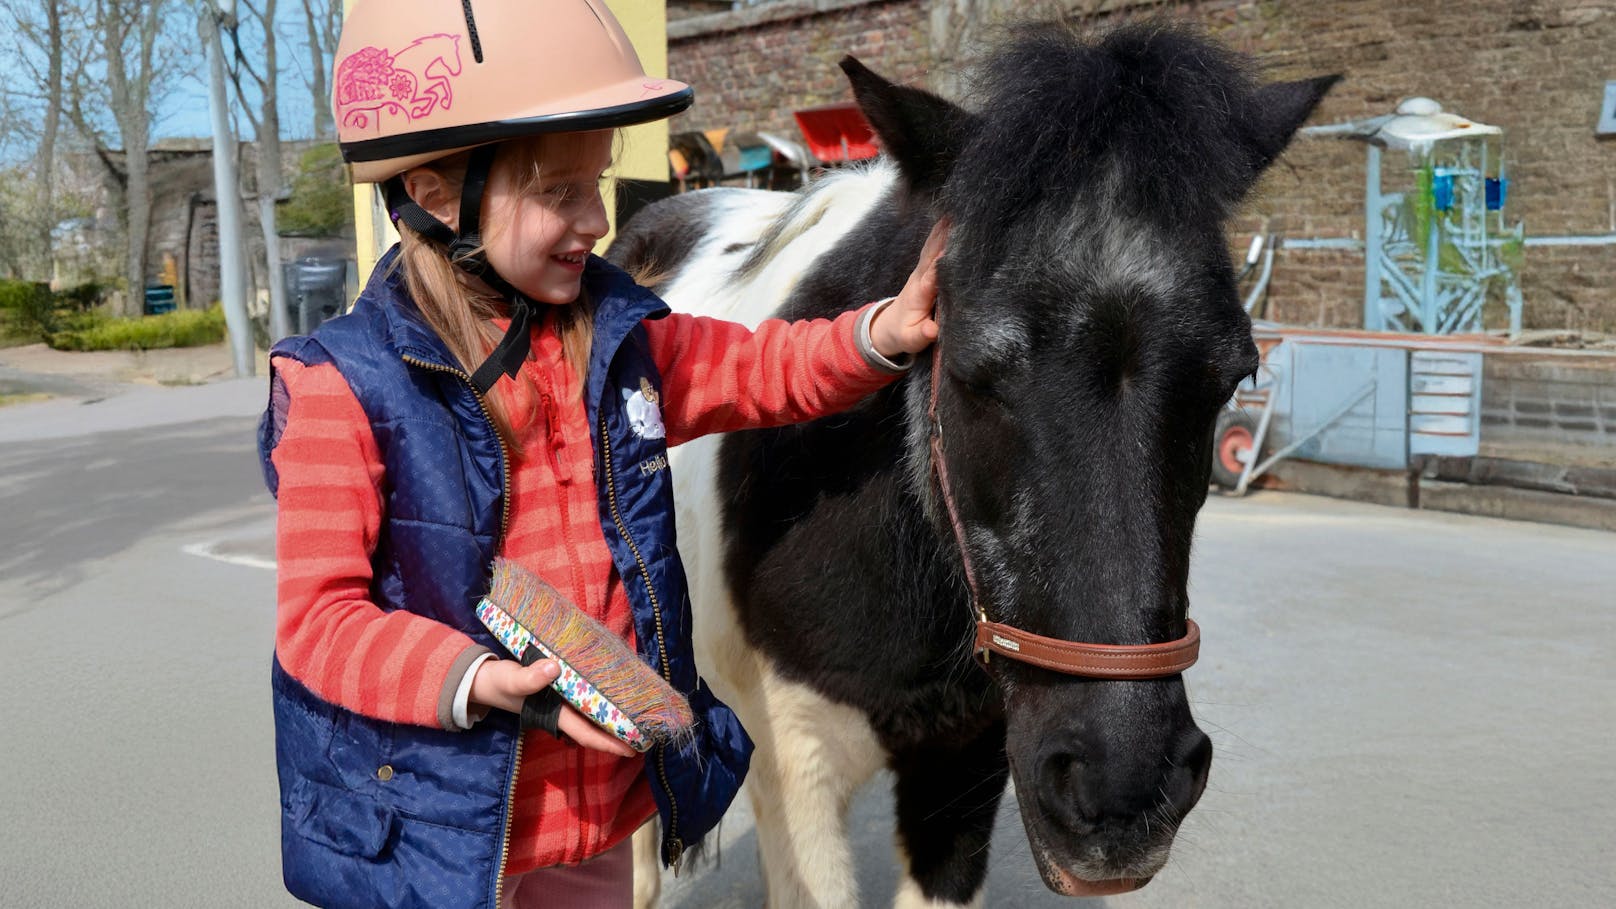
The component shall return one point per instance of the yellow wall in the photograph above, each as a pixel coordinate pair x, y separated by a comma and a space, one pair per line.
373, 232
644, 153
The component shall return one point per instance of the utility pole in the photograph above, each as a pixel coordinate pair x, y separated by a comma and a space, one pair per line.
226, 188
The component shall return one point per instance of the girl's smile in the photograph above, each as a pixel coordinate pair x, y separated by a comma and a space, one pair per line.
572, 260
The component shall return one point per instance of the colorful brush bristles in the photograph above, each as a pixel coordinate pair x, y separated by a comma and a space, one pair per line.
602, 677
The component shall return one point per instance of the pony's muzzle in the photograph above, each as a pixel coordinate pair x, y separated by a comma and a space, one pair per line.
1088, 789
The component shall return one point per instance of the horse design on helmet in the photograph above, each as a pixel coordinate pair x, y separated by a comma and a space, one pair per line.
414, 83
1090, 333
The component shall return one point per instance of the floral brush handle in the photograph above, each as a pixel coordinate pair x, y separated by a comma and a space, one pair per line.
540, 710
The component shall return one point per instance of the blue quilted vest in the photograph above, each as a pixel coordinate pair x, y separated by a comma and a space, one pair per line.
382, 814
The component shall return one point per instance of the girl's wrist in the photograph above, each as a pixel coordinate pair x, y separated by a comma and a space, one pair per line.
864, 340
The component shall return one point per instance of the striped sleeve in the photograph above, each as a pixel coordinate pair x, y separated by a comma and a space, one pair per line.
720, 376
329, 635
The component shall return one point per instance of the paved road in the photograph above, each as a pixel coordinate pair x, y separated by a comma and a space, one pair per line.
1410, 709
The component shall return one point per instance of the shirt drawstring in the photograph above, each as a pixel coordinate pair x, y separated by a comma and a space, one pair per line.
554, 441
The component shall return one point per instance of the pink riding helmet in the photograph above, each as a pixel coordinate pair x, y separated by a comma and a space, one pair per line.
418, 80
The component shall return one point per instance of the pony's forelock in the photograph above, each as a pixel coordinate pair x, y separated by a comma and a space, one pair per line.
1155, 102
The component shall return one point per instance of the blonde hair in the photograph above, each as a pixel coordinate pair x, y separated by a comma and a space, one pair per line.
462, 311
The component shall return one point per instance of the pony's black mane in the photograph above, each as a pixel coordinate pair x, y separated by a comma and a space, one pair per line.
1159, 110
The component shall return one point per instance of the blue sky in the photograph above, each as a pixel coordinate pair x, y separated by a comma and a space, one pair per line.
185, 111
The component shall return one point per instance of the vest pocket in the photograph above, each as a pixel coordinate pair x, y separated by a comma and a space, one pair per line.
358, 747
342, 821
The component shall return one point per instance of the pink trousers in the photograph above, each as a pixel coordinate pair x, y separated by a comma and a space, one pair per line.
603, 882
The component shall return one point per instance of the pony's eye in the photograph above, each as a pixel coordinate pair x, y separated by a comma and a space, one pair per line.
977, 386
1248, 371
1227, 378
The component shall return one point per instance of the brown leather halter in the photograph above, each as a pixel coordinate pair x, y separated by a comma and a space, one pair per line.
1095, 661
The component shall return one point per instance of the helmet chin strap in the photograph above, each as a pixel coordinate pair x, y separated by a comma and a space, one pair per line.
465, 253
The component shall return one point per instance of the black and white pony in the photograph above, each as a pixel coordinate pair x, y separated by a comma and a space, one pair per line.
1091, 331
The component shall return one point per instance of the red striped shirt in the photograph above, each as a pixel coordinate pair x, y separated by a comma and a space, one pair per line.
570, 803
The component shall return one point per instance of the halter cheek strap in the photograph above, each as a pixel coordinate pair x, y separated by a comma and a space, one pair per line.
466, 253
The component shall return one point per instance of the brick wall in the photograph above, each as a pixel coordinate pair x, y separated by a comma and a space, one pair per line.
752, 68
1536, 68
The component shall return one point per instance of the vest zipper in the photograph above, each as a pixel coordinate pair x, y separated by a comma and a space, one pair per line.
676, 847
504, 522
504, 455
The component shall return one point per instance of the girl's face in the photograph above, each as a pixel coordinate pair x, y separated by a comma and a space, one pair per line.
538, 228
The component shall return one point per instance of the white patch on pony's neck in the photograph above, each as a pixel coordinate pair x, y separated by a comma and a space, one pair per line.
815, 221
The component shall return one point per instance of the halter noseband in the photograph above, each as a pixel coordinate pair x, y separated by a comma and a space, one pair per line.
1095, 661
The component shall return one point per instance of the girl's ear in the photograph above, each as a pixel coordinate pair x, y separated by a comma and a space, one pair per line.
429, 190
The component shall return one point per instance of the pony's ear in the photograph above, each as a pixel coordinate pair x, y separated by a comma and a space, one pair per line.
1280, 109
921, 131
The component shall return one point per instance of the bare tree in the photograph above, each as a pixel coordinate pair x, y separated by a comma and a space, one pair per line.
129, 36
323, 19
16, 115
266, 124
46, 159
39, 24
133, 71
18, 229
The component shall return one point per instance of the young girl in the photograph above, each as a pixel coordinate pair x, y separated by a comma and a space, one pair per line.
498, 391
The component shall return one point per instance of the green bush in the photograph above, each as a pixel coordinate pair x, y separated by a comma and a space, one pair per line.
33, 312
27, 310
16, 294
181, 328
82, 297
321, 203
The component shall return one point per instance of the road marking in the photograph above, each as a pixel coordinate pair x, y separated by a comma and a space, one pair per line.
205, 550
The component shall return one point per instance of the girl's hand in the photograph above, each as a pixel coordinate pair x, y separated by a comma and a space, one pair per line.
583, 730
505, 684
906, 325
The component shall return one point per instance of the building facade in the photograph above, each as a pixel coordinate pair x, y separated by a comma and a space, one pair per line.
1535, 68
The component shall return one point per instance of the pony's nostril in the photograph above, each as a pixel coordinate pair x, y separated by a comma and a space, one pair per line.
1195, 752
1192, 761
1068, 790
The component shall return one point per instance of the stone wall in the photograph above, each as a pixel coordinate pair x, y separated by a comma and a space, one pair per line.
1536, 68
1551, 399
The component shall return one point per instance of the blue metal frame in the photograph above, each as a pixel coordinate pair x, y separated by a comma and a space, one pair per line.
1440, 285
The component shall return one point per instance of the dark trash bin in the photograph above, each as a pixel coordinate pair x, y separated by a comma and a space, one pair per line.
316, 290
159, 299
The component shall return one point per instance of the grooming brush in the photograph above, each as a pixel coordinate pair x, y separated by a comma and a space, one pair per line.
601, 676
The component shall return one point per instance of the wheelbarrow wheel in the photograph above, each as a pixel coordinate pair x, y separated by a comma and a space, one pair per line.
1232, 445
